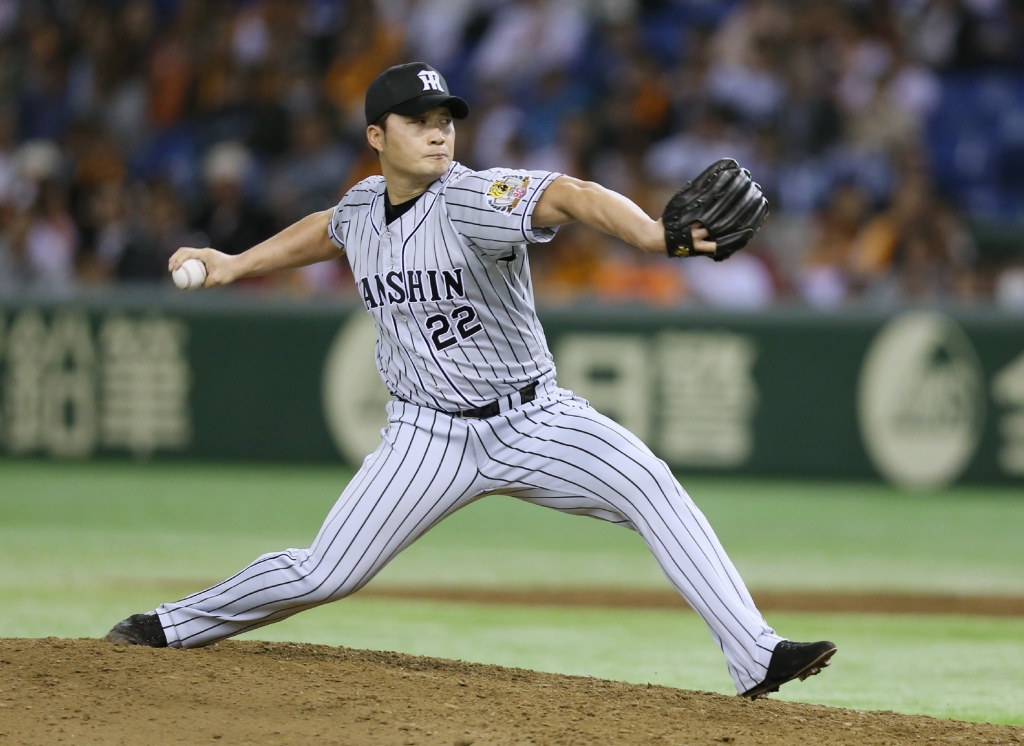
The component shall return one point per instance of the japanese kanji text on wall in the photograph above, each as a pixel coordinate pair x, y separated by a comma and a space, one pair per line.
74, 384
918, 397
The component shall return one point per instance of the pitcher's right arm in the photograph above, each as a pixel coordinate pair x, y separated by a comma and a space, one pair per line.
302, 243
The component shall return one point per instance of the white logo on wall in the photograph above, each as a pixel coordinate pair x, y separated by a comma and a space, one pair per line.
921, 400
703, 383
709, 397
67, 392
354, 397
612, 372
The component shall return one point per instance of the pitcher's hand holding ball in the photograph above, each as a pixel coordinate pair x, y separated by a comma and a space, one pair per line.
190, 275
220, 267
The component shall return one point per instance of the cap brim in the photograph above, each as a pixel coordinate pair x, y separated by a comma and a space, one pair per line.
426, 102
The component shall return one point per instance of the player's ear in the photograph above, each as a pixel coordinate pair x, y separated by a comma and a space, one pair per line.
375, 137
377, 133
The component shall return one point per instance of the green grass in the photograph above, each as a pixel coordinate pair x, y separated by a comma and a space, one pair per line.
84, 545
63, 521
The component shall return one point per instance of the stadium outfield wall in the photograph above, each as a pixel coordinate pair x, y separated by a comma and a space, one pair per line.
921, 397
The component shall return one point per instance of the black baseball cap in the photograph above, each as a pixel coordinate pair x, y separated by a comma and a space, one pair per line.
409, 90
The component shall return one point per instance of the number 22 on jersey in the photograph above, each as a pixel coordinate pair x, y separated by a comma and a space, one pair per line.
442, 335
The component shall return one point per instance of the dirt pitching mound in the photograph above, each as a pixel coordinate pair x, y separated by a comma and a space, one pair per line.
86, 691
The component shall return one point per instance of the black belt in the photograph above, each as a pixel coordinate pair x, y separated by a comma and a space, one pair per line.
526, 394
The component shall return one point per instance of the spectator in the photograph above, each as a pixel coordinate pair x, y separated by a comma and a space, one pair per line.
170, 78
8, 166
159, 232
911, 250
309, 179
366, 47
932, 30
810, 121
108, 213
45, 105
744, 282
500, 123
270, 132
435, 30
570, 267
232, 220
823, 279
51, 241
679, 158
527, 39
15, 273
751, 87
35, 162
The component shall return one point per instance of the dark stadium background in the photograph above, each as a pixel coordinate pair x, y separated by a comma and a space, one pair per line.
889, 135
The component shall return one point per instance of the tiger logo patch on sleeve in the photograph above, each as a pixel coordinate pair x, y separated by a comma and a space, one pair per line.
505, 194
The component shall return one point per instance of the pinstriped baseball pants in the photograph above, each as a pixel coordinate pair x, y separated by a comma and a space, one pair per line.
555, 451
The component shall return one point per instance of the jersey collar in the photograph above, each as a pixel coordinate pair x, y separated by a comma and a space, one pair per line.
377, 218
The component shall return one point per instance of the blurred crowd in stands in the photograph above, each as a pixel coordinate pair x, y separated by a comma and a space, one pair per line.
888, 134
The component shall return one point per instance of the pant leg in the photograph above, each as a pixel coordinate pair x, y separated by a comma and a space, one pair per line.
562, 453
423, 470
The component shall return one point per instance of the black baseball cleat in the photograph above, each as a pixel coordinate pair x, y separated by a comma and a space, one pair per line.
792, 660
138, 629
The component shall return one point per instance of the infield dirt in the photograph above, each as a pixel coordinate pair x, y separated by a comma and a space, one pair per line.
89, 692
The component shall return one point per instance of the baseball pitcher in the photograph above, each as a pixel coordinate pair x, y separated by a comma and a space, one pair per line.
439, 253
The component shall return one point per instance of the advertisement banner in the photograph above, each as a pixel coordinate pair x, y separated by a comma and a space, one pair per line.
920, 398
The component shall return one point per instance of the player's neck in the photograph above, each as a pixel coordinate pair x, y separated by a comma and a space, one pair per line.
403, 187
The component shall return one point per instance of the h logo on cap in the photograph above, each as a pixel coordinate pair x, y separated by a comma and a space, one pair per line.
431, 80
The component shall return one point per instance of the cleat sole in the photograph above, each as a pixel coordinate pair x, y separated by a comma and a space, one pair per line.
812, 668
815, 668
117, 638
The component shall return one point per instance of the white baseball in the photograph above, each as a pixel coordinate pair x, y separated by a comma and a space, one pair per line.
190, 275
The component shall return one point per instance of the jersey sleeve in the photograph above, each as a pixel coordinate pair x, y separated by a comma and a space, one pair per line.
334, 227
493, 209
355, 198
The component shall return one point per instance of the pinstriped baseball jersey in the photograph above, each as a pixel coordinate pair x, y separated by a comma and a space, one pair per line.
448, 285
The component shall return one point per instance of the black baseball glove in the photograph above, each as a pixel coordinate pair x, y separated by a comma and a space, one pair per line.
725, 201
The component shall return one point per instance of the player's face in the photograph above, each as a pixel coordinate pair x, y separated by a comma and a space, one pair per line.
420, 146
